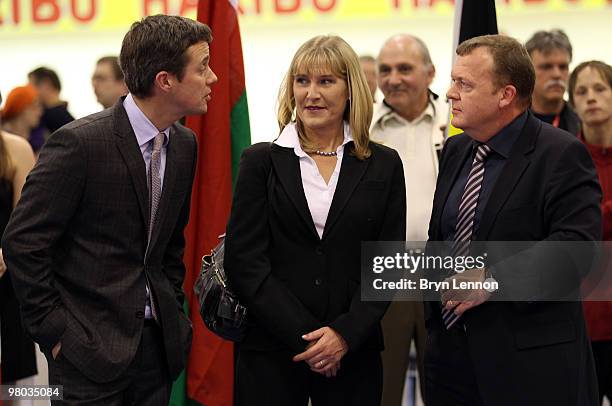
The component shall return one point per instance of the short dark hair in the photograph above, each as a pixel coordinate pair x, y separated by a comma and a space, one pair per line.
511, 63
547, 41
158, 43
113, 61
603, 68
43, 73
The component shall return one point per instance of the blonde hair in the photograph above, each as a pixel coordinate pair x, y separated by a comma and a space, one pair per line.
330, 52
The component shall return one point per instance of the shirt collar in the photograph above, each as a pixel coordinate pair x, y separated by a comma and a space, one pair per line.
143, 127
504, 140
384, 112
289, 138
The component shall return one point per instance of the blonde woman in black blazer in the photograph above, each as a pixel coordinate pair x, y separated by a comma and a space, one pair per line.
301, 209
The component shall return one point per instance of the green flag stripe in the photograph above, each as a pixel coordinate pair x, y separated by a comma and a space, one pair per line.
241, 132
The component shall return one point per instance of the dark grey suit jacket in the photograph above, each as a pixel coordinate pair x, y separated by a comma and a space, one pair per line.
75, 245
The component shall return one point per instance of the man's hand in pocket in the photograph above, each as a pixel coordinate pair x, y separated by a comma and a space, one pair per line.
56, 350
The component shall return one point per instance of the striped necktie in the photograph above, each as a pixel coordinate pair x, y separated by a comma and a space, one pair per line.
155, 179
465, 219
154, 196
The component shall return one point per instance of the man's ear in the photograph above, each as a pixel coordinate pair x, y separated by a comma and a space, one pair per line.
508, 96
431, 74
163, 81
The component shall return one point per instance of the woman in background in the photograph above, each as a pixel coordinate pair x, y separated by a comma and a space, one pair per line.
590, 91
301, 209
22, 111
18, 356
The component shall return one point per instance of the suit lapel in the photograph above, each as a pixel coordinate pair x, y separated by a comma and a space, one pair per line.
287, 169
509, 176
132, 156
448, 179
351, 172
168, 186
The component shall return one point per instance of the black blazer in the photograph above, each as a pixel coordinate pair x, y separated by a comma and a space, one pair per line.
75, 245
291, 280
538, 353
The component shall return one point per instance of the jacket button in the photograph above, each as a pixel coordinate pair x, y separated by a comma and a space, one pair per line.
140, 314
318, 282
319, 251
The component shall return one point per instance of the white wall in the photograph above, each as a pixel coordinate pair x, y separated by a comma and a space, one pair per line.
268, 48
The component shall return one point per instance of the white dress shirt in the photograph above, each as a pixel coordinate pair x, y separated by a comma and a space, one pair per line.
319, 194
416, 142
145, 132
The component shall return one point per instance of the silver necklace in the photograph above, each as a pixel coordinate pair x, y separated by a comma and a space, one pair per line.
324, 153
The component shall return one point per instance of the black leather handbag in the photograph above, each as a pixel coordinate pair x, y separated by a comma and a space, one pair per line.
220, 309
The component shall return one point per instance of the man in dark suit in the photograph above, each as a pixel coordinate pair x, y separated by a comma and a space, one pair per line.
509, 177
95, 245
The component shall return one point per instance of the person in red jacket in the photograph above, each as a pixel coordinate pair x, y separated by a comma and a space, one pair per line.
590, 90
